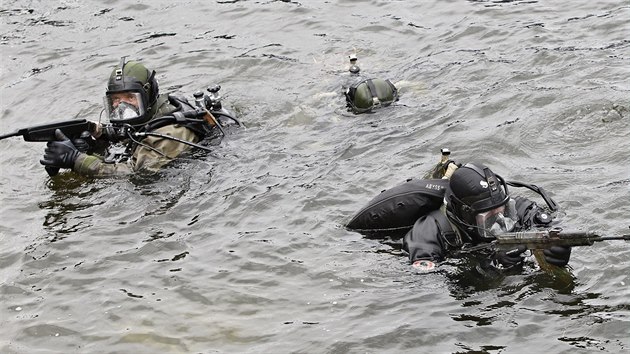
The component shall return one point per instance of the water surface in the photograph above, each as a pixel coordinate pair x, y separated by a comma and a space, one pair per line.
243, 250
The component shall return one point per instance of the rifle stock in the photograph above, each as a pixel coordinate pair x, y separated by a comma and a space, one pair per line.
74, 127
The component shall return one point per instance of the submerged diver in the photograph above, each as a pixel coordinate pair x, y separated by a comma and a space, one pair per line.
146, 130
440, 218
364, 94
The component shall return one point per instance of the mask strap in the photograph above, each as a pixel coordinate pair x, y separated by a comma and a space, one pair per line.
495, 190
492, 182
475, 168
373, 92
150, 79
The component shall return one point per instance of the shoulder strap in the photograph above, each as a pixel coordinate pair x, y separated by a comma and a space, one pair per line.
449, 235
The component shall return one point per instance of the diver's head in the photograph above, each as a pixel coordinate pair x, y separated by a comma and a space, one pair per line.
365, 95
132, 91
478, 202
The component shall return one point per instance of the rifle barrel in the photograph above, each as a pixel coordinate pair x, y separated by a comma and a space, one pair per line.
621, 237
15, 133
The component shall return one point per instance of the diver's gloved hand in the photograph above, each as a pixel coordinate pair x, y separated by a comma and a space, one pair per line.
84, 142
558, 255
512, 257
61, 153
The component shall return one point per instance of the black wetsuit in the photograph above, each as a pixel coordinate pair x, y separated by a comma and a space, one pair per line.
433, 237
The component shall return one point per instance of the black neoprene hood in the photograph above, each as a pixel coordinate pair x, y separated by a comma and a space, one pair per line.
474, 188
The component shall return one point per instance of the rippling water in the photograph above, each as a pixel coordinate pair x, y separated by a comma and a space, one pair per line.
243, 250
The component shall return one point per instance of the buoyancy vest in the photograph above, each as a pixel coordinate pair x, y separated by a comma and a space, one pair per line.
394, 211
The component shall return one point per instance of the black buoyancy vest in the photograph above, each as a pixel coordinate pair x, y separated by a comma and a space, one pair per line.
396, 210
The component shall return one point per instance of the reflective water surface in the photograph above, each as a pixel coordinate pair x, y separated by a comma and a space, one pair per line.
243, 249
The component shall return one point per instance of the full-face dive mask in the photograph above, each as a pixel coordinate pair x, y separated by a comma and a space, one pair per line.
478, 201
132, 91
124, 106
498, 220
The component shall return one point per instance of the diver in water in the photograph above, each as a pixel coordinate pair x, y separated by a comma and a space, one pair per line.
146, 129
455, 209
476, 206
365, 94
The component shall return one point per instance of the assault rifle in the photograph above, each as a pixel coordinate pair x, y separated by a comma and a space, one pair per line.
542, 239
82, 128
46, 132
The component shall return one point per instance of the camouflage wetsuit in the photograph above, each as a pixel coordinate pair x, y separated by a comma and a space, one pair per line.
142, 158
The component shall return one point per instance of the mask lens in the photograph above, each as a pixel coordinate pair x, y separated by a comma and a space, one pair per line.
498, 220
124, 111
124, 105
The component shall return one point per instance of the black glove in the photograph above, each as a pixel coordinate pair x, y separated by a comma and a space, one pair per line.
557, 255
61, 153
84, 142
512, 257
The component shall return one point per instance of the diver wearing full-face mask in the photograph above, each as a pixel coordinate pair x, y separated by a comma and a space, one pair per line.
138, 136
476, 207
365, 94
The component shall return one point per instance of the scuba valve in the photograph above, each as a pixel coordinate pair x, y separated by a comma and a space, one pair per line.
443, 169
214, 105
215, 111
213, 102
354, 68
202, 101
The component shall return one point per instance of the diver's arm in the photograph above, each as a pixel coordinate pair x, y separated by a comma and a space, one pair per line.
423, 242
157, 151
154, 153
